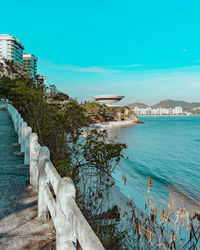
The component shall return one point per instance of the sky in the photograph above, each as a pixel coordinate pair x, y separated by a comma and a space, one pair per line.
145, 50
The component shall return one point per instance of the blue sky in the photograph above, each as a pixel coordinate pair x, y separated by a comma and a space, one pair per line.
145, 50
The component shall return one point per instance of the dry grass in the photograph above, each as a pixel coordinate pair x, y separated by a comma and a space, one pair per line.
155, 228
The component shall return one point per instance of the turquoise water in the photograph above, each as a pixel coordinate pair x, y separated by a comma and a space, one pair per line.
168, 150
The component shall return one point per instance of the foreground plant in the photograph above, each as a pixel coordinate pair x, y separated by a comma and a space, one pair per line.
161, 229
94, 160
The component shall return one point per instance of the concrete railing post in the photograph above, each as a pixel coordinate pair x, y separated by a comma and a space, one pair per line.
28, 131
64, 222
34, 159
24, 125
15, 120
7, 104
44, 156
18, 125
14, 117
20, 129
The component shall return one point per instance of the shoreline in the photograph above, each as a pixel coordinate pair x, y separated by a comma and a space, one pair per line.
114, 124
110, 127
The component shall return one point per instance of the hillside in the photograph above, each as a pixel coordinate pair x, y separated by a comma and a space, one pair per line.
168, 104
137, 104
102, 113
172, 104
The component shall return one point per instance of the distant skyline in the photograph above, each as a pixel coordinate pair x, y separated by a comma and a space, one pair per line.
145, 50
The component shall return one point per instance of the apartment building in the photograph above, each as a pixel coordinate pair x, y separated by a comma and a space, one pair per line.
158, 111
30, 65
11, 48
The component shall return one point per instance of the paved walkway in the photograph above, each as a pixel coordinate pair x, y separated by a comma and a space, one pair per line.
14, 175
19, 226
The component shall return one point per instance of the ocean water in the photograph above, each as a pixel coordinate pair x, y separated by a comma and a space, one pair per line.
168, 150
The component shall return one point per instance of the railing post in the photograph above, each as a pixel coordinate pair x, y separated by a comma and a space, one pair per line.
64, 222
20, 129
7, 103
18, 124
34, 158
24, 125
15, 120
28, 131
44, 156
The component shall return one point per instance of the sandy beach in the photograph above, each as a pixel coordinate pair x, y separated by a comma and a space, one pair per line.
111, 127
115, 124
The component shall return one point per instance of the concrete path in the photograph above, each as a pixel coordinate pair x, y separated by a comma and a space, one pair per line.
14, 176
19, 226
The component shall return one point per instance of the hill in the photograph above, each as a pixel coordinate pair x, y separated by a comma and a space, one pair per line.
99, 113
137, 104
172, 104
187, 106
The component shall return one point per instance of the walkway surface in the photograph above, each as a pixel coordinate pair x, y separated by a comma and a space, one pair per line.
13, 174
19, 226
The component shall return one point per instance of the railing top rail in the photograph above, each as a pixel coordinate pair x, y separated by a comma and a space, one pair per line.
84, 233
52, 176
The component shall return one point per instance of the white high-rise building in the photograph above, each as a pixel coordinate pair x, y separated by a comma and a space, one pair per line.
178, 110
11, 48
30, 65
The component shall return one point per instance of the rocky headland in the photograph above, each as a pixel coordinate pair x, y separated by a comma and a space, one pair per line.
106, 117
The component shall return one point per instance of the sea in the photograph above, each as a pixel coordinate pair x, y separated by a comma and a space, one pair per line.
166, 148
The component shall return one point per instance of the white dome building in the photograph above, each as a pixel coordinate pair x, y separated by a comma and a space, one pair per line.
108, 99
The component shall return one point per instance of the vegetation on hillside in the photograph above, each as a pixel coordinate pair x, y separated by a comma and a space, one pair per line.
102, 113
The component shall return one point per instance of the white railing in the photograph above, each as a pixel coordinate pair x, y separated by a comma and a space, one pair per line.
56, 195
3, 103
4, 100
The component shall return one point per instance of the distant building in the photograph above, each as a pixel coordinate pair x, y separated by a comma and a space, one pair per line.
41, 80
158, 111
30, 65
108, 99
196, 108
177, 111
11, 48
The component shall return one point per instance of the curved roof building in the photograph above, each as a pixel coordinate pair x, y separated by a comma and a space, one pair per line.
108, 99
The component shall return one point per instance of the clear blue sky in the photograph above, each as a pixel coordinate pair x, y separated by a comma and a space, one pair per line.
145, 50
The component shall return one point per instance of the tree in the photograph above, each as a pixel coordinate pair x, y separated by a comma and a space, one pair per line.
6, 84
12, 70
93, 162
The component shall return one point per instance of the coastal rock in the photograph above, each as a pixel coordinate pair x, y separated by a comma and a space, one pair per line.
101, 113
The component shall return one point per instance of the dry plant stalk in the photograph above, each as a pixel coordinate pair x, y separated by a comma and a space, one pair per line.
160, 229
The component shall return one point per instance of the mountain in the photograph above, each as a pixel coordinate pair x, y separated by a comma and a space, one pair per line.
187, 106
172, 104
137, 104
